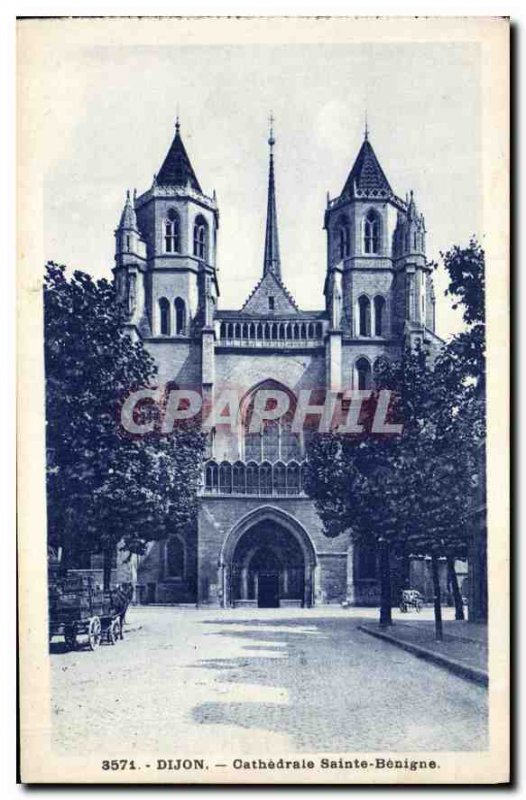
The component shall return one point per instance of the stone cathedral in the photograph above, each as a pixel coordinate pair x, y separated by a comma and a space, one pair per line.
259, 541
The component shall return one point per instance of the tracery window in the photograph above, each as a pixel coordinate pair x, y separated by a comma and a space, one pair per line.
364, 314
363, 372
180, 315
200, 238
171, 232
379, 314
164, 316
372, 232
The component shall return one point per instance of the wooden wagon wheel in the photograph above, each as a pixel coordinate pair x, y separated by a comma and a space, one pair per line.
70, 636
94, 633
114, 631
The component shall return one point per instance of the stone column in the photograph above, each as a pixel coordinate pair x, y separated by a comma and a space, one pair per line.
334, 360
244, 583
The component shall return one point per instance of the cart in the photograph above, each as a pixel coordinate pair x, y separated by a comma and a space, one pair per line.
411, 598
79, 608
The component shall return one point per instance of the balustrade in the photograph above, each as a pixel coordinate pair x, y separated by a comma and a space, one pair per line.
252, 478
270, 333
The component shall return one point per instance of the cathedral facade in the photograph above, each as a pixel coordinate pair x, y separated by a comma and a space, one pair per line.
259, 540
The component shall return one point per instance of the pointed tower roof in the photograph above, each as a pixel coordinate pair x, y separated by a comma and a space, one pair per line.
177, 169
272, 261
128, 217
366, 174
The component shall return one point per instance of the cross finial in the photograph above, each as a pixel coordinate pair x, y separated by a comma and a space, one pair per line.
177, 125
366, 127
271, 139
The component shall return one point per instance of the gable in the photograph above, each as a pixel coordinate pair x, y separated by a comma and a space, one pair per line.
270, 287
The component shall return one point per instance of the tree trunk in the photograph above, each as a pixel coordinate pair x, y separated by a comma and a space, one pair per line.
64, 561
385, 585
453, 582
436, 591
106, 570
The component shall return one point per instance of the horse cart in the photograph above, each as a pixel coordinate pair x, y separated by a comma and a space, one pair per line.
410, 598
80, 610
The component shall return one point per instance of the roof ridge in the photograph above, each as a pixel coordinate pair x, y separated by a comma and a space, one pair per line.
281, 285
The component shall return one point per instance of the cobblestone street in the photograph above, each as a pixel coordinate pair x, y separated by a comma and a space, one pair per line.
262, 681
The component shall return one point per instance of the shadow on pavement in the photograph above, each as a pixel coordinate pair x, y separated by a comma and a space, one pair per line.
335, 689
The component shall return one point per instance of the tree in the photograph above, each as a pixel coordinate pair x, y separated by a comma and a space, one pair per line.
410, 493
104, 486
406, 492
356, 482
465, 356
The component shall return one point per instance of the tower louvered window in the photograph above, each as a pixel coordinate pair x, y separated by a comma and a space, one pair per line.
379, 313
344, 241
180, 315
372, 232
200, 238
363, 373
364, 312
171, 232
164, 316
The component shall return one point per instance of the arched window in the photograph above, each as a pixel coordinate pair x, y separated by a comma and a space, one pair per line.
379, 314
171, 232
293, 478
364, 314
180, 315
290, 441
174, 557
252, 478
200, 238
211, 477
363, 372
265, 479
279, 481
164, 316
238, 478
225, 478
274, 440
372, 232
343, 238
271, 437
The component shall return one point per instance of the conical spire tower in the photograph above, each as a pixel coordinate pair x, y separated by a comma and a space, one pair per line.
272, 262
177, 169
128, 216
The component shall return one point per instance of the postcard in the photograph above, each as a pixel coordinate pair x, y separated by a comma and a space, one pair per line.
263, 430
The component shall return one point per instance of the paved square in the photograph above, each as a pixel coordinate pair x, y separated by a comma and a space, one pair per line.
259, 682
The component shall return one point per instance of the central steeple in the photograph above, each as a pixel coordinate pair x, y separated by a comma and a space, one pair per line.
272, 262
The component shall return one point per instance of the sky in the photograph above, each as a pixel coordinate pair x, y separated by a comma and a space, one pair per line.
109, 118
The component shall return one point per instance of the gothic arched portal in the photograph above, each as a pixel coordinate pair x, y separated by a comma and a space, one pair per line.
268, 560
